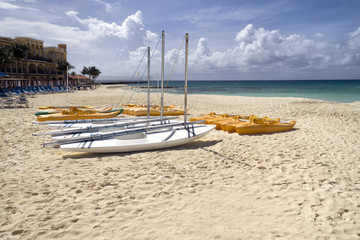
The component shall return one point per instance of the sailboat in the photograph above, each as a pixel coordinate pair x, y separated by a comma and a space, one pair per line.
89, 128
70, 129
144, 137
85, 126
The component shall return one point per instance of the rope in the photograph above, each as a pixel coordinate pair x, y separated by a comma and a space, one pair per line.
137, 70
127, 86
175, 62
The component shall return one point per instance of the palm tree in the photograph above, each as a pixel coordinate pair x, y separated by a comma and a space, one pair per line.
85, 71
93, 72
5, 56
19, 52
64, 67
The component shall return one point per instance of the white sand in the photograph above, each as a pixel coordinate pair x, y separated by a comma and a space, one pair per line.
302, 184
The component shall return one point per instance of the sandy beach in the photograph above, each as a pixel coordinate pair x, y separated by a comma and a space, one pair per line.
301, 184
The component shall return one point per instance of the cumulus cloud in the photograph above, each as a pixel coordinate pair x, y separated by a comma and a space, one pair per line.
261, 50
202, 48
354, 40
150, 39
116, 48
98, 27
264, 48
92, 41
319, 35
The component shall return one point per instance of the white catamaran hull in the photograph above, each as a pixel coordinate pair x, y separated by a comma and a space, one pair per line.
103, 122
132, 125
141, 141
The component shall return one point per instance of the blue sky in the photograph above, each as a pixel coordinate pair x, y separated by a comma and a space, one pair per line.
229, 39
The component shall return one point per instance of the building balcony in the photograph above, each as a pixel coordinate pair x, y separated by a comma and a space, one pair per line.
38, 58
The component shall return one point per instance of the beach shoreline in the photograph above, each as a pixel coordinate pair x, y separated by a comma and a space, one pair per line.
346, 91
301, 184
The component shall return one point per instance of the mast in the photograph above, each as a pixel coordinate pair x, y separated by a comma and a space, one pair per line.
148, 93
186, 74
67, 79
162, 74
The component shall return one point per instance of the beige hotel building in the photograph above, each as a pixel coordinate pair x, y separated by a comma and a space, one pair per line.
38, 68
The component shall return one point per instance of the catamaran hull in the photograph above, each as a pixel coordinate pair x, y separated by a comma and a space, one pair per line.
133, 125
142, 141
102, 123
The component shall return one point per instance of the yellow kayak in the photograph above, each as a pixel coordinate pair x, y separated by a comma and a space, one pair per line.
62, 107
141, 110
227, 121
245, 124
264, 125
78, 115
231, 126
156, 112
219, 119
74, 109
212, 114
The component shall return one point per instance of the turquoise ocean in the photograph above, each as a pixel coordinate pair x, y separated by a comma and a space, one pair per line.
346, 91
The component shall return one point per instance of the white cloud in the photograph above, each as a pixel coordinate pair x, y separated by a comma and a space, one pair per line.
108, 6
43, 30
202, 48
260, 50
116, 48
151, 39
354, 40
8, 6
319, 35
131, 24
213, 15
107, 45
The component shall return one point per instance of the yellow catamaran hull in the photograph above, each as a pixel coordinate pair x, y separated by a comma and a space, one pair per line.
73, 109
141, 110
77, 115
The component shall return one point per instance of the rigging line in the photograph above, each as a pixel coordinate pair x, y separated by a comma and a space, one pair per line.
127, 86
150, 59
144, 70
136, 88
175, 62
155, 48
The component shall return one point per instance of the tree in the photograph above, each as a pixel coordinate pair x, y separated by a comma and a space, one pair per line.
93, 72
64, 67
5, 56
19, 52
85, 71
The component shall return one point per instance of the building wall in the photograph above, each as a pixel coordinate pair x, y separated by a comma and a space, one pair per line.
40, 64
